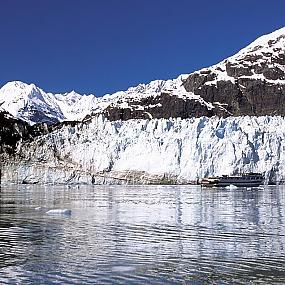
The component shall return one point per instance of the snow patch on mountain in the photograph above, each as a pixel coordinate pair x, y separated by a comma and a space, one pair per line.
132, 97
269, 42
75, 106
264, 49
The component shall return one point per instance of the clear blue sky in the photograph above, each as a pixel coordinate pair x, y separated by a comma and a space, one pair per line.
102, 46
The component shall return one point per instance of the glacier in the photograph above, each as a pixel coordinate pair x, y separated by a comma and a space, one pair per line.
223, 119
171, 150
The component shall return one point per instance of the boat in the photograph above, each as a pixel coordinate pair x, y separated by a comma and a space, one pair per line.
240, 180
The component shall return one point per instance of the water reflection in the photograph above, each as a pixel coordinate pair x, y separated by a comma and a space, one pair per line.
142, 235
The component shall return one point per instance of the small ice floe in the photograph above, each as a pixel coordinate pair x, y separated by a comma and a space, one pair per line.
123, 268
231, 187
66, 212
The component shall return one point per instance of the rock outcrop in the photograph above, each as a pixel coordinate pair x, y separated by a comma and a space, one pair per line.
252, 82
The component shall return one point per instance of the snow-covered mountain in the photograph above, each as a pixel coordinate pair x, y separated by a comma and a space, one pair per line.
251, 82
33, 105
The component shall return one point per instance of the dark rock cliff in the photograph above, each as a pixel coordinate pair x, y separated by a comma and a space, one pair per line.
162, 106
13, 130
252, 82
255, 80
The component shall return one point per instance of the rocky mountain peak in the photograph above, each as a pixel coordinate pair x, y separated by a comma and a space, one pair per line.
16, 89
272, 42
251, 82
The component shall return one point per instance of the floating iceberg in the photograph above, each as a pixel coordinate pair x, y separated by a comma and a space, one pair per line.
231, 187
59, 212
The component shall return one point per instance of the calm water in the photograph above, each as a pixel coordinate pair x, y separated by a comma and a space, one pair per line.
142, 235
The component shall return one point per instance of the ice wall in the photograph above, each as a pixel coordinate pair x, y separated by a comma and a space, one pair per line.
185, 149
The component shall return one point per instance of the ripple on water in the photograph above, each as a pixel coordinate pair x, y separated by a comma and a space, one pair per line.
142, 235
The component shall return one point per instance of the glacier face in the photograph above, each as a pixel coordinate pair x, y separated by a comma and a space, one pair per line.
184, 149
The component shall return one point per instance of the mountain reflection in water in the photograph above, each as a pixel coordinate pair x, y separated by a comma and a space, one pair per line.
142, 235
